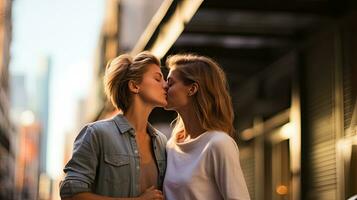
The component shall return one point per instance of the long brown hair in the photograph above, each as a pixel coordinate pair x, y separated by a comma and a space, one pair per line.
212, 102
120, 71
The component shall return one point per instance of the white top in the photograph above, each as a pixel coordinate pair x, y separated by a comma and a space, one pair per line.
204, 168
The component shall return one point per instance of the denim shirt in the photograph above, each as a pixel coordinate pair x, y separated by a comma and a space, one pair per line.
106, 160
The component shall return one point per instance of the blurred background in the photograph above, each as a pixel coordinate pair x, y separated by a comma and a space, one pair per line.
291, 66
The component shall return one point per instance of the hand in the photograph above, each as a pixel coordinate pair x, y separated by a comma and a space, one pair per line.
151, 194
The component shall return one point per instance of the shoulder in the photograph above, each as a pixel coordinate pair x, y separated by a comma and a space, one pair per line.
96, 130
222, 142
104, 128
220, 138
101, 124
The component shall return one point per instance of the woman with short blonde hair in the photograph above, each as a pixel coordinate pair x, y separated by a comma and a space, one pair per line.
122, 157
202, 157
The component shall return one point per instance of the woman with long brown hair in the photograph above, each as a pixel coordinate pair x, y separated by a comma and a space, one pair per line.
202, 157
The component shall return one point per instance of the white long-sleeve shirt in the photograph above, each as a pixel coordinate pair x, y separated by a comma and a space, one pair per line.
204, 168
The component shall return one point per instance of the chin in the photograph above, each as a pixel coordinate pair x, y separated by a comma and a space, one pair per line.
168, 107
163, 103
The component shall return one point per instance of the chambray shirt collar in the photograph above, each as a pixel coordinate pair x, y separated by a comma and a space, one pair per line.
151, 130
125, 126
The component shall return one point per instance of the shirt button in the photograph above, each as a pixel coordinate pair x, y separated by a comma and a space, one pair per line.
137, 167
136, 151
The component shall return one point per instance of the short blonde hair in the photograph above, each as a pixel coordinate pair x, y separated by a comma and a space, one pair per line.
120, 71
212, 102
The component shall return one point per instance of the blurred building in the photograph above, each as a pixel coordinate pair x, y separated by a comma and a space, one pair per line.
29, 112
27, 163
7, 155
41, 106
18, 96
292, 71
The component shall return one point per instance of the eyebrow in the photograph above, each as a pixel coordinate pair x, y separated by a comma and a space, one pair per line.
159, 74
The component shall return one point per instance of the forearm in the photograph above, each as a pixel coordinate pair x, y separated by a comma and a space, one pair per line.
92, 196
149, 194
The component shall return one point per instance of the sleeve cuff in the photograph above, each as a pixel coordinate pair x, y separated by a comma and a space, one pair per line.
69, 188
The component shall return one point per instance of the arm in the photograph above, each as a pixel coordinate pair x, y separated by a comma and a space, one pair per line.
81, 168
227, 170
150, 193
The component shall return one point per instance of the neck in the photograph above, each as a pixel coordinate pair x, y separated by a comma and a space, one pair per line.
138, 115
192, 126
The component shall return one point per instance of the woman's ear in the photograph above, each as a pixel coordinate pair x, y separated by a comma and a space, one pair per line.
133, 87
193, 89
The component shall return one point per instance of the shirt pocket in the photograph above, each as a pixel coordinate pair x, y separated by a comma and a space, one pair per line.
117, 168
116, 159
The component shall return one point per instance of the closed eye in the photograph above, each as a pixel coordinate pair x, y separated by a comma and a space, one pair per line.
158, 77
170, 83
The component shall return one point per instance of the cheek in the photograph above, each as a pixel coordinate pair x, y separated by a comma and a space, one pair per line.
176, 94
171, 92
152, 86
